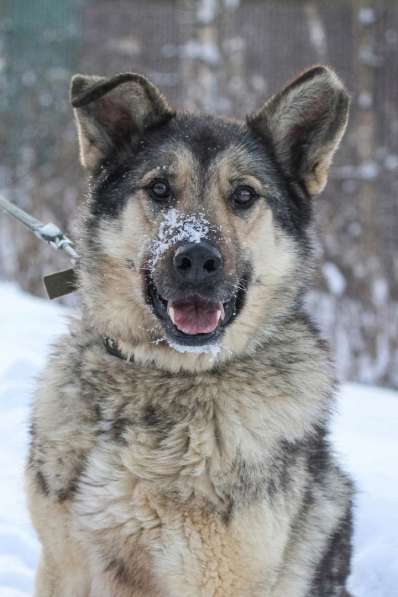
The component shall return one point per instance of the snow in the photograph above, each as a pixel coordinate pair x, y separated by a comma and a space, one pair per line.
27, 327
211, 349
367, 16
391, 162
334, 278
380, 291
197, 50
176, 227
368, 170
364, 433
365, 100
50, 230
316, 29
207, 11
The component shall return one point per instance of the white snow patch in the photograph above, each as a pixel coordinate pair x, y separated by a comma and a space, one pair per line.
368, 56
367, 16
196, 50
28, 325
380, 291
207, 10
232, 3
368, 170
364, 434
391, 162
317, 35
334, 278
232, 45
176, 227
212, 349
365, 100
317, 32
50, 230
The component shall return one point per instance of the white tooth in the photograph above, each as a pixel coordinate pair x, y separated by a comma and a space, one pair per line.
222, 312
171, 312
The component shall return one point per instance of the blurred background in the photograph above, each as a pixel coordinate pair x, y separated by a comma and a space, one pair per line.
222, 56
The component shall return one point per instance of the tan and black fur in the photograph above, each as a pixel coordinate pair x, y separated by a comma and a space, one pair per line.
163, 465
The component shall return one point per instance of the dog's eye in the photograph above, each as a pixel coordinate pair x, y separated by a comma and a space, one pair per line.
243, 197
160, 190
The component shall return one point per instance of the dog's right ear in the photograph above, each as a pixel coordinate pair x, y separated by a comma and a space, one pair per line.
112, 112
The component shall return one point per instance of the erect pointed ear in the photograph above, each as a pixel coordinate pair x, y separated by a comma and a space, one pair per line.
306, 122
111, 112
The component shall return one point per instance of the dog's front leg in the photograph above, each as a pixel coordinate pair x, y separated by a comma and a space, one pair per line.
64, 569
46, 580
52, 581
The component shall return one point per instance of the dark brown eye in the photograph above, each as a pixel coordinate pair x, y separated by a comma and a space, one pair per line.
243, 197
160, 190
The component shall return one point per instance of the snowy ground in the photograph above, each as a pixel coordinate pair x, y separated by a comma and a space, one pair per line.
365, 435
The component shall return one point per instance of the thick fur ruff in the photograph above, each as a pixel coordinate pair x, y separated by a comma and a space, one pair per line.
206, 473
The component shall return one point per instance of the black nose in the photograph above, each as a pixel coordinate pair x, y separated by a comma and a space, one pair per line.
197, 262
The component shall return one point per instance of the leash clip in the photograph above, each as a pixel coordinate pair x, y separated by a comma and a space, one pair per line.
59, 283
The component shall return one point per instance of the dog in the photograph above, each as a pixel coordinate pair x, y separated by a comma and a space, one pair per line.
179, 435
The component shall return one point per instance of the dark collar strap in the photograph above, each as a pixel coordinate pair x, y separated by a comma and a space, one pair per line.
112, 347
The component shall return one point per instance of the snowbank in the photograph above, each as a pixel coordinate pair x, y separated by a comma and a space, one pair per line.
365, 435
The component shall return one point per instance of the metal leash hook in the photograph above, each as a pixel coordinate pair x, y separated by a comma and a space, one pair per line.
59, 283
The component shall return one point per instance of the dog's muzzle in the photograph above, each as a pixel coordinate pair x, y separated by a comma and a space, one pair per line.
192, 298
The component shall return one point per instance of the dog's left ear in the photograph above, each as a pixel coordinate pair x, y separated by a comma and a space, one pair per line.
112, 112
305, 123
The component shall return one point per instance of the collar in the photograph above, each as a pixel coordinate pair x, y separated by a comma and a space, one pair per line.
113, 348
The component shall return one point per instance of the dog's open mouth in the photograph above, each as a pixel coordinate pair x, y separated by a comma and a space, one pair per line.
195, 315
194, 320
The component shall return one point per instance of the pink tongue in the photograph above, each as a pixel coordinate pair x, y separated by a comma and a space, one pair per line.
195, 317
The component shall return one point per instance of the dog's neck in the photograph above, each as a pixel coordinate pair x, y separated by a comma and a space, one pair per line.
161, 356
113, 348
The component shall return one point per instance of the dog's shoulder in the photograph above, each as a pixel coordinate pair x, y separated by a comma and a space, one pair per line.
297, 359
64, 414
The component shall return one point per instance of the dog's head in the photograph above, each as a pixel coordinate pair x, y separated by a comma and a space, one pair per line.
196, 231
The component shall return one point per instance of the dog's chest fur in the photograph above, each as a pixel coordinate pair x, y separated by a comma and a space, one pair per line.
192, 479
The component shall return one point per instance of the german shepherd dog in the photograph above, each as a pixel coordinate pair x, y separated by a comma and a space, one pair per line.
179, 443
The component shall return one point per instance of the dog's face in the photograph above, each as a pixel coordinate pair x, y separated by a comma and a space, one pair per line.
196, 232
